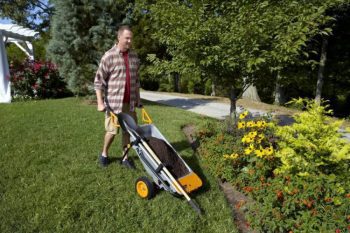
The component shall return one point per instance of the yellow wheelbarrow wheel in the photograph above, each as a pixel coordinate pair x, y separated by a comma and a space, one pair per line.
144, 188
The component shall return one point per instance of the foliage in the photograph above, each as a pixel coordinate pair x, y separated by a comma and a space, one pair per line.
283, 202
39, 46
36, 80
248, 145
234, 40
300, 204
313, 143
28, 12
14, 54
81, 32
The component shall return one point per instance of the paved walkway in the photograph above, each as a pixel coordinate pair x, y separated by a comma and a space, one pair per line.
202, 106
205, 107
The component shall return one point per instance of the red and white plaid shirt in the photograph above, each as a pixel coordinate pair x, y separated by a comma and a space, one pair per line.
111, 78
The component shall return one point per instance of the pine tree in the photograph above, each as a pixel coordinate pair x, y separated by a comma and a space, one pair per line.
81, 32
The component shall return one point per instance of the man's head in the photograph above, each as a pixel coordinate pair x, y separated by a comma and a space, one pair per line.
124, 38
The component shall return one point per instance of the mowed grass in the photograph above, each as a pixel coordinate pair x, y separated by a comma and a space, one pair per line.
50, 180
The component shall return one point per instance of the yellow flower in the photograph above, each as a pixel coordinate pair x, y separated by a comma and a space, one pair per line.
252, 134
260, 138
251, 146
234, 156
243, 115
258, 124
241, 125
248, 151
260, 153
247, 139
250, 124
269, 150
263, 124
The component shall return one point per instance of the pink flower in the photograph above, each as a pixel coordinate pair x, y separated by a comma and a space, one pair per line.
37, 67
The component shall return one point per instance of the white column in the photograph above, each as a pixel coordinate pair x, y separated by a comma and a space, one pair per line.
5, 85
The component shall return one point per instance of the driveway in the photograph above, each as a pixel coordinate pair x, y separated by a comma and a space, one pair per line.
202, 106
207, 107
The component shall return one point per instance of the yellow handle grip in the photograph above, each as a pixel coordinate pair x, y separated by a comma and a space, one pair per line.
145, 118
114, 119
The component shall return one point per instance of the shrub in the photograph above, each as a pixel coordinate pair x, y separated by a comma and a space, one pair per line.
36, 80
313, 144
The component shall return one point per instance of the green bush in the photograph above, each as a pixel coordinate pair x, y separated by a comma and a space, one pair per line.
312, 144
36, 80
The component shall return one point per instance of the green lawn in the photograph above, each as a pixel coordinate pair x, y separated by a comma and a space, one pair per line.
50, 180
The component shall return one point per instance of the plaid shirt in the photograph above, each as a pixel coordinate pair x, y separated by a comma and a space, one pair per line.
111, 78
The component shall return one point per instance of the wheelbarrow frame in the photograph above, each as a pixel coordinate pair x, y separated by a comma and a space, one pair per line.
161, 176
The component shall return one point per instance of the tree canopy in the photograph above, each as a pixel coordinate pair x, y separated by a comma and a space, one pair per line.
81, 32
34, 14
236, 40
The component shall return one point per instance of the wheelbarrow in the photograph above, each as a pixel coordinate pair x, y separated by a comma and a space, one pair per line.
167, 169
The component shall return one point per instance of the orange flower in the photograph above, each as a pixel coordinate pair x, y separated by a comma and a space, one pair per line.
279, 194
248, 189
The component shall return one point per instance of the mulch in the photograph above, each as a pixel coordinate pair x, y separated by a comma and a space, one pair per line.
168, 157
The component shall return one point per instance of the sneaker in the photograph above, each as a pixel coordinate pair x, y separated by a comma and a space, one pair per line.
127, 163
103, 161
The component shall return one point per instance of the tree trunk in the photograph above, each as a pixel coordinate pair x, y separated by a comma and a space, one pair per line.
320, 75
279, 93
233, 103
251, 93
213, 89
177, 87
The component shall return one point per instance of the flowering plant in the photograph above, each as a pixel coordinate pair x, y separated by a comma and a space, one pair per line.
35, 79
255, 136
296, 176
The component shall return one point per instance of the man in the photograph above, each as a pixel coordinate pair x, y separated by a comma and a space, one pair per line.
117, 80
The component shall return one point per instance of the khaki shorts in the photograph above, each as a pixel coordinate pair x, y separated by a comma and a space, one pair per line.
111, 128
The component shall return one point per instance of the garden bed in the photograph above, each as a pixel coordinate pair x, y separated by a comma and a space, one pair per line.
296, 175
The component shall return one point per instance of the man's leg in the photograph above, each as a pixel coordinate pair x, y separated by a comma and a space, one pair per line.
108, 139
107, 143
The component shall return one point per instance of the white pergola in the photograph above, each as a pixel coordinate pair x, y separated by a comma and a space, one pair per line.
20, 36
